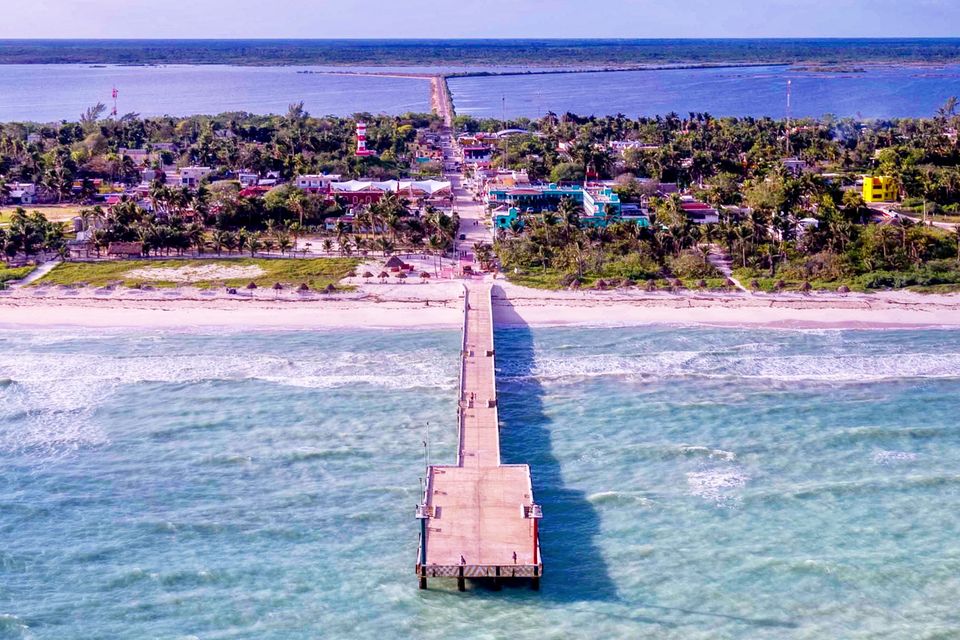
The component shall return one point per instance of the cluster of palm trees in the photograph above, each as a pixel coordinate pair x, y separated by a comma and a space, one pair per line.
30, 234
172, 233
387, 226
764, 242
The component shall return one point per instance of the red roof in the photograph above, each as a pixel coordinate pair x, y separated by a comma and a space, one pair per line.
253, 192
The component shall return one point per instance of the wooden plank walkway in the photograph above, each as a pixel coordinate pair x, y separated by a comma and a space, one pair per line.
478, 518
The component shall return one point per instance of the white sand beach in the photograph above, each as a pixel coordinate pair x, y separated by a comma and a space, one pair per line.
438, 304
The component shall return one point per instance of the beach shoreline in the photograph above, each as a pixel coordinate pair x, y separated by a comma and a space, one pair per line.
438, 306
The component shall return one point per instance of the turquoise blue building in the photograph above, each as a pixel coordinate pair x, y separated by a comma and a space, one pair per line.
601, 206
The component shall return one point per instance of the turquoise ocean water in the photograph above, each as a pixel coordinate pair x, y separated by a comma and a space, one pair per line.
696, 483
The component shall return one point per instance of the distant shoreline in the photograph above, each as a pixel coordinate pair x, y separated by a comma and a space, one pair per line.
449, 54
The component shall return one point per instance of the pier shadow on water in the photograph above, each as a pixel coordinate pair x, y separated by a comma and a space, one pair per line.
574, 567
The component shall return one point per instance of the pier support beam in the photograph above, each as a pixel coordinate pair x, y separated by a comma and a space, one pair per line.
461, 582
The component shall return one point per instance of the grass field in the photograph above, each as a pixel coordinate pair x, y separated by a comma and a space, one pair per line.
316, 273
13, 273
53, 213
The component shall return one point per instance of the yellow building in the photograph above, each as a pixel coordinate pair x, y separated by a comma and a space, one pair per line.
879, 189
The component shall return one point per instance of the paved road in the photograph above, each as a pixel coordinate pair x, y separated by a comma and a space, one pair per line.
472, 226
888, 211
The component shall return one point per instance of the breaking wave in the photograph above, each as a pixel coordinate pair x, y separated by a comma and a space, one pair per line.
48, 401
829, 367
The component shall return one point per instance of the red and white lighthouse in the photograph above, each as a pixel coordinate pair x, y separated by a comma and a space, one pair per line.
362, 140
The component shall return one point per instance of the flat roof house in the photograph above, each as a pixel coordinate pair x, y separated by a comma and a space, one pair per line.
192, 176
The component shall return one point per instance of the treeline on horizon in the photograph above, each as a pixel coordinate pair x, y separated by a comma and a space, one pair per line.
532, 52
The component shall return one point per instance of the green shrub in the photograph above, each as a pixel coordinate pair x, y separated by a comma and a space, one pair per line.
692, 265
633, 266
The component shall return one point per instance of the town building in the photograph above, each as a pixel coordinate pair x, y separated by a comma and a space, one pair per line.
698, 212
22, 193
600, 204
363, 192
192, 176
317, 182
795, 166
880, 189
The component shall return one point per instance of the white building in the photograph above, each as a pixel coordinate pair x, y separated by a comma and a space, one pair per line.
193, 176
22, 192
317, 182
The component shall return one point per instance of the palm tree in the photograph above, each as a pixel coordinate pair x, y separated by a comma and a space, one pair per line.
436, 245
254, 244
218, 240
384, 245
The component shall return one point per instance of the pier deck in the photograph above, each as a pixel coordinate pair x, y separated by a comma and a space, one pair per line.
478, 518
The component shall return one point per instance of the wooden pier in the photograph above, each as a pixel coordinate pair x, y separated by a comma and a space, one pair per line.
478, 518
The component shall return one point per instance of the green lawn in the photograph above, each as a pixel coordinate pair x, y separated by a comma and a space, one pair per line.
13, 273
317, 273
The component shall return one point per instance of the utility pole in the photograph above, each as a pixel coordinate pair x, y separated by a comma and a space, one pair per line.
789, 108
506, 138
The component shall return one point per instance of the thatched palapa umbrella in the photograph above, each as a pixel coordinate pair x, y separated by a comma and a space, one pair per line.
401, 277
252, 286
383, 276
329, 289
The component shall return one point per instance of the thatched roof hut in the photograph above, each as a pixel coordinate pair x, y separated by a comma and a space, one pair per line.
125, 249
394, 263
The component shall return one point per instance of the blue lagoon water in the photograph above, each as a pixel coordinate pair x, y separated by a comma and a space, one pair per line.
696, 483
878, 92
51, 92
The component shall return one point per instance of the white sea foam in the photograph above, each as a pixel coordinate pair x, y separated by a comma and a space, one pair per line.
717, 454
51, 399
827, 367
894, 457
718, 485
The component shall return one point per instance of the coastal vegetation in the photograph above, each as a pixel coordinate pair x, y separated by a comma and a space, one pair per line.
780, 228
68, 160
56, 155
316, 273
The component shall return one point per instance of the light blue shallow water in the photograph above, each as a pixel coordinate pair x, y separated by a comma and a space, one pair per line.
880, 92
696, 483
